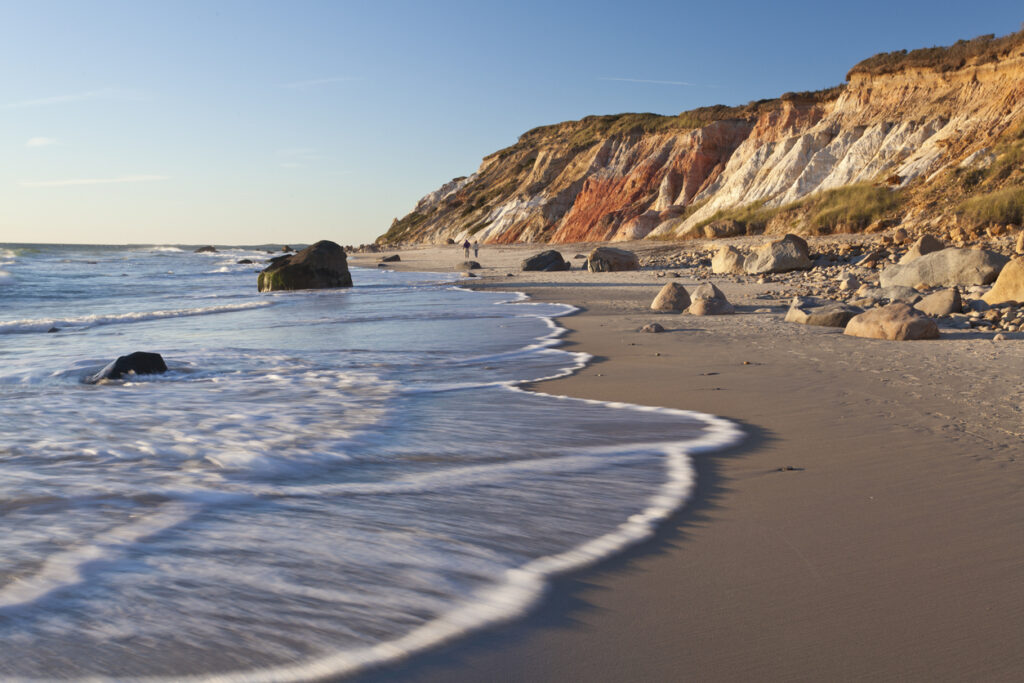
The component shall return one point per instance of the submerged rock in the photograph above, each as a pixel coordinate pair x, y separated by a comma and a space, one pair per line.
549, 260
206, 250
895, 322
319, 266
138, 363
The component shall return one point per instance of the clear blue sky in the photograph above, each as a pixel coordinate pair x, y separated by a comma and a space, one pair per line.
248, 122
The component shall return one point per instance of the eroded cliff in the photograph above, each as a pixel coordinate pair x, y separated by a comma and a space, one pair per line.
909, 137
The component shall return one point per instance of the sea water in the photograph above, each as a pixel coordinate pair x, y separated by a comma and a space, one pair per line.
322, 481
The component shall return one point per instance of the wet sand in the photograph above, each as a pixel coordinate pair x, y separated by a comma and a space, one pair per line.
869, 527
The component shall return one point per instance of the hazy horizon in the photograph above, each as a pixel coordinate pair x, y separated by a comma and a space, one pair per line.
270, 123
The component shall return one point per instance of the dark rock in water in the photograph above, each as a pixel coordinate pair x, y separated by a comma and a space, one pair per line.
391, 259
206, 250
382, 265
138, 363
286, 248
546, 261
470, 265
54, 329
319, 266
244, 261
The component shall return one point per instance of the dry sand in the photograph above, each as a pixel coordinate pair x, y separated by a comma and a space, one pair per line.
893, 550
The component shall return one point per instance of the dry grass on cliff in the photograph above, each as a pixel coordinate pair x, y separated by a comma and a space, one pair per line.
850, 208
1002, 207
980, 50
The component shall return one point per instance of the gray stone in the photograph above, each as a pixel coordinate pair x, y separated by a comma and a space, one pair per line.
610, 259
549, 260
809, 310
926, 244
779, 256
950, 267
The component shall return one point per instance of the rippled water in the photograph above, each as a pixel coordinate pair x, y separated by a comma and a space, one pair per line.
322, 481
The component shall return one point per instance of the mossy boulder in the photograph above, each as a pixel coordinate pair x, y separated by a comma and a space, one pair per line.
319, 266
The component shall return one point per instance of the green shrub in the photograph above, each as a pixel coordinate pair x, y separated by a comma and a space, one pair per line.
1001, 207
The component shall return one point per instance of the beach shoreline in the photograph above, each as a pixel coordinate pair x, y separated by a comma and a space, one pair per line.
864, 529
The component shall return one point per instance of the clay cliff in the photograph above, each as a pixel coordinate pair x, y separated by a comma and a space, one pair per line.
932, 135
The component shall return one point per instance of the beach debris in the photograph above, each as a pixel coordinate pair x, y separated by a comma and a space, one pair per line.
652, 327
546, 261
394, 258
811, 310
941, 303
948, 267
1009, 285
728, 260
709, 300
925, 244
672, 298
206, 250
319, 266
138, 363
896, 321
610, 259
779, 256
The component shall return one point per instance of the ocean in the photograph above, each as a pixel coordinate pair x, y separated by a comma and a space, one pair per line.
322, 482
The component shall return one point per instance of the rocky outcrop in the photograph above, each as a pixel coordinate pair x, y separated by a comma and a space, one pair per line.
898, 322
319, 266
673, 298
634, 176
138, 363
949, 267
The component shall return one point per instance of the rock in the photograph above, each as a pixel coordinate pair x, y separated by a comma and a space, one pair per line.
319, 266
449, 241
950, 267
610, 259
848, 282
673, 297
466, 273
470, 265
652, 327
244, 262
394, 258
809, 310
709, 300
941, 303
53, 329
286, 248
1019, 245
1009, 285
926, 244
779, 256
546, 261
999, 337
728, 260
896, 322
138, 363
899, 236
724, 228
382, 265
206, 250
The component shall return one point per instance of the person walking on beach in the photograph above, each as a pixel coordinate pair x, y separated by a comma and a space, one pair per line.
476, 249
465, 247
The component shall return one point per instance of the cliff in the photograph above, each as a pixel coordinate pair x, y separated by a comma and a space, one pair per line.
919, 136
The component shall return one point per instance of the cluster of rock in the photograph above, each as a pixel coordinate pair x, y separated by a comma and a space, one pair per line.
706, 299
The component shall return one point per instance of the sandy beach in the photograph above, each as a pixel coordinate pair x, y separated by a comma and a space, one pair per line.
869, 526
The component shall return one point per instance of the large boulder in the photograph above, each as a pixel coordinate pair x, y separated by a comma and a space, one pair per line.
926, 244
319, 266
546, 261
470, 265
394, 258
206, 250
810, 310
896, 322
709, 300
673, 298
728, 260
608, 259
138, 363
1009, 285
724, 228
941, 303
779, 256
949, 267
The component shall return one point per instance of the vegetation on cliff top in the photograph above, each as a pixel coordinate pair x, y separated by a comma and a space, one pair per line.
980, 50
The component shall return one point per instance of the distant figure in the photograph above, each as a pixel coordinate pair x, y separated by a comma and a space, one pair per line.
476, 249
465, 247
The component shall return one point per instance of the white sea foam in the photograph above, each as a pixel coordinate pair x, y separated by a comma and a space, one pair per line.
45, 324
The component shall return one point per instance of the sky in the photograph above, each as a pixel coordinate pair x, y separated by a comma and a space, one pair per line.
250, 122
